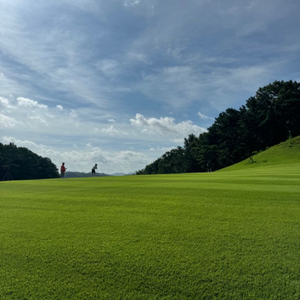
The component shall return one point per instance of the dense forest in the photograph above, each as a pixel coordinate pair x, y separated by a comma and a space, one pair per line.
268, 118
20, 163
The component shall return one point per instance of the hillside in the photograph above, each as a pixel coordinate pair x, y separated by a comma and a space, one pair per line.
287, 152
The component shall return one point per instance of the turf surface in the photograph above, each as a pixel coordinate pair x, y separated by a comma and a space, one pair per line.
222, 235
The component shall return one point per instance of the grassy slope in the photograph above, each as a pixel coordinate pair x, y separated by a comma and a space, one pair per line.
223, 235
283, 154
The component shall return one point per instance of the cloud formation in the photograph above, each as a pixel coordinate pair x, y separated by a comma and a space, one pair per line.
6, 122
165, 126
204, 117
72, 135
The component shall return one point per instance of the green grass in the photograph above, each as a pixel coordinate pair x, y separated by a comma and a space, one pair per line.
223, 235
283, 154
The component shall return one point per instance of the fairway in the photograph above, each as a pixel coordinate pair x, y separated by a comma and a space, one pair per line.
222, 235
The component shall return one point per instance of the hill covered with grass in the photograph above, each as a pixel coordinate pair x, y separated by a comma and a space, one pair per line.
285, 153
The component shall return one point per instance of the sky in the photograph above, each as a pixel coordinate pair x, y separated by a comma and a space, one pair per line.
120, 82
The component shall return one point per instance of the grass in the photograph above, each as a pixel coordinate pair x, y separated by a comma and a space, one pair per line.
223, 235
285, 153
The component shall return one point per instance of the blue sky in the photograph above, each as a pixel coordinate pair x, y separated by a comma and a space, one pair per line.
120, 82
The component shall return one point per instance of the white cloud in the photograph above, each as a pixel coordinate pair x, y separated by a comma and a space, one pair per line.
73, 113
110, 130
7, 122
60, 107
25, 102
132, 2
4, 102
204, 117
161, 149
165, 126
39, 119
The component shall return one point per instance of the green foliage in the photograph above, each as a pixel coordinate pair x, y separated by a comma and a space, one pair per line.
20, 163
268, 118
222, 235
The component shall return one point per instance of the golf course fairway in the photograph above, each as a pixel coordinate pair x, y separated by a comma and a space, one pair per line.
225, 235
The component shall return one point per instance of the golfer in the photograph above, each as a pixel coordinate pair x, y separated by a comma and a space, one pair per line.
94, 170
63, 170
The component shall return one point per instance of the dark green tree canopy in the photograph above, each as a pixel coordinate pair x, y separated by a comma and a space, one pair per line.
268, 118
20, 163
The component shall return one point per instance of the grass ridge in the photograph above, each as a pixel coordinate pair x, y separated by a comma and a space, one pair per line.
285, 153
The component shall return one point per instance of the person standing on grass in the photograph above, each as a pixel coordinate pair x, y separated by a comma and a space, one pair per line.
63, 170
94, 170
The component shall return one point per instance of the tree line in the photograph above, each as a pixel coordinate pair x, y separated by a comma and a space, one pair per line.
18, 163
268, 118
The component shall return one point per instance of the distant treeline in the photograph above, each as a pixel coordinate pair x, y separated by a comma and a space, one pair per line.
70, 174
20, 163
268, 118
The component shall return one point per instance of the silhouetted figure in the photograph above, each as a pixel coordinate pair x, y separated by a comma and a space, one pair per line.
94, 170
63, 170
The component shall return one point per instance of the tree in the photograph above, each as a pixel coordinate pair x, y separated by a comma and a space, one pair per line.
273, 114
21, 163
190, 154
268, 118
